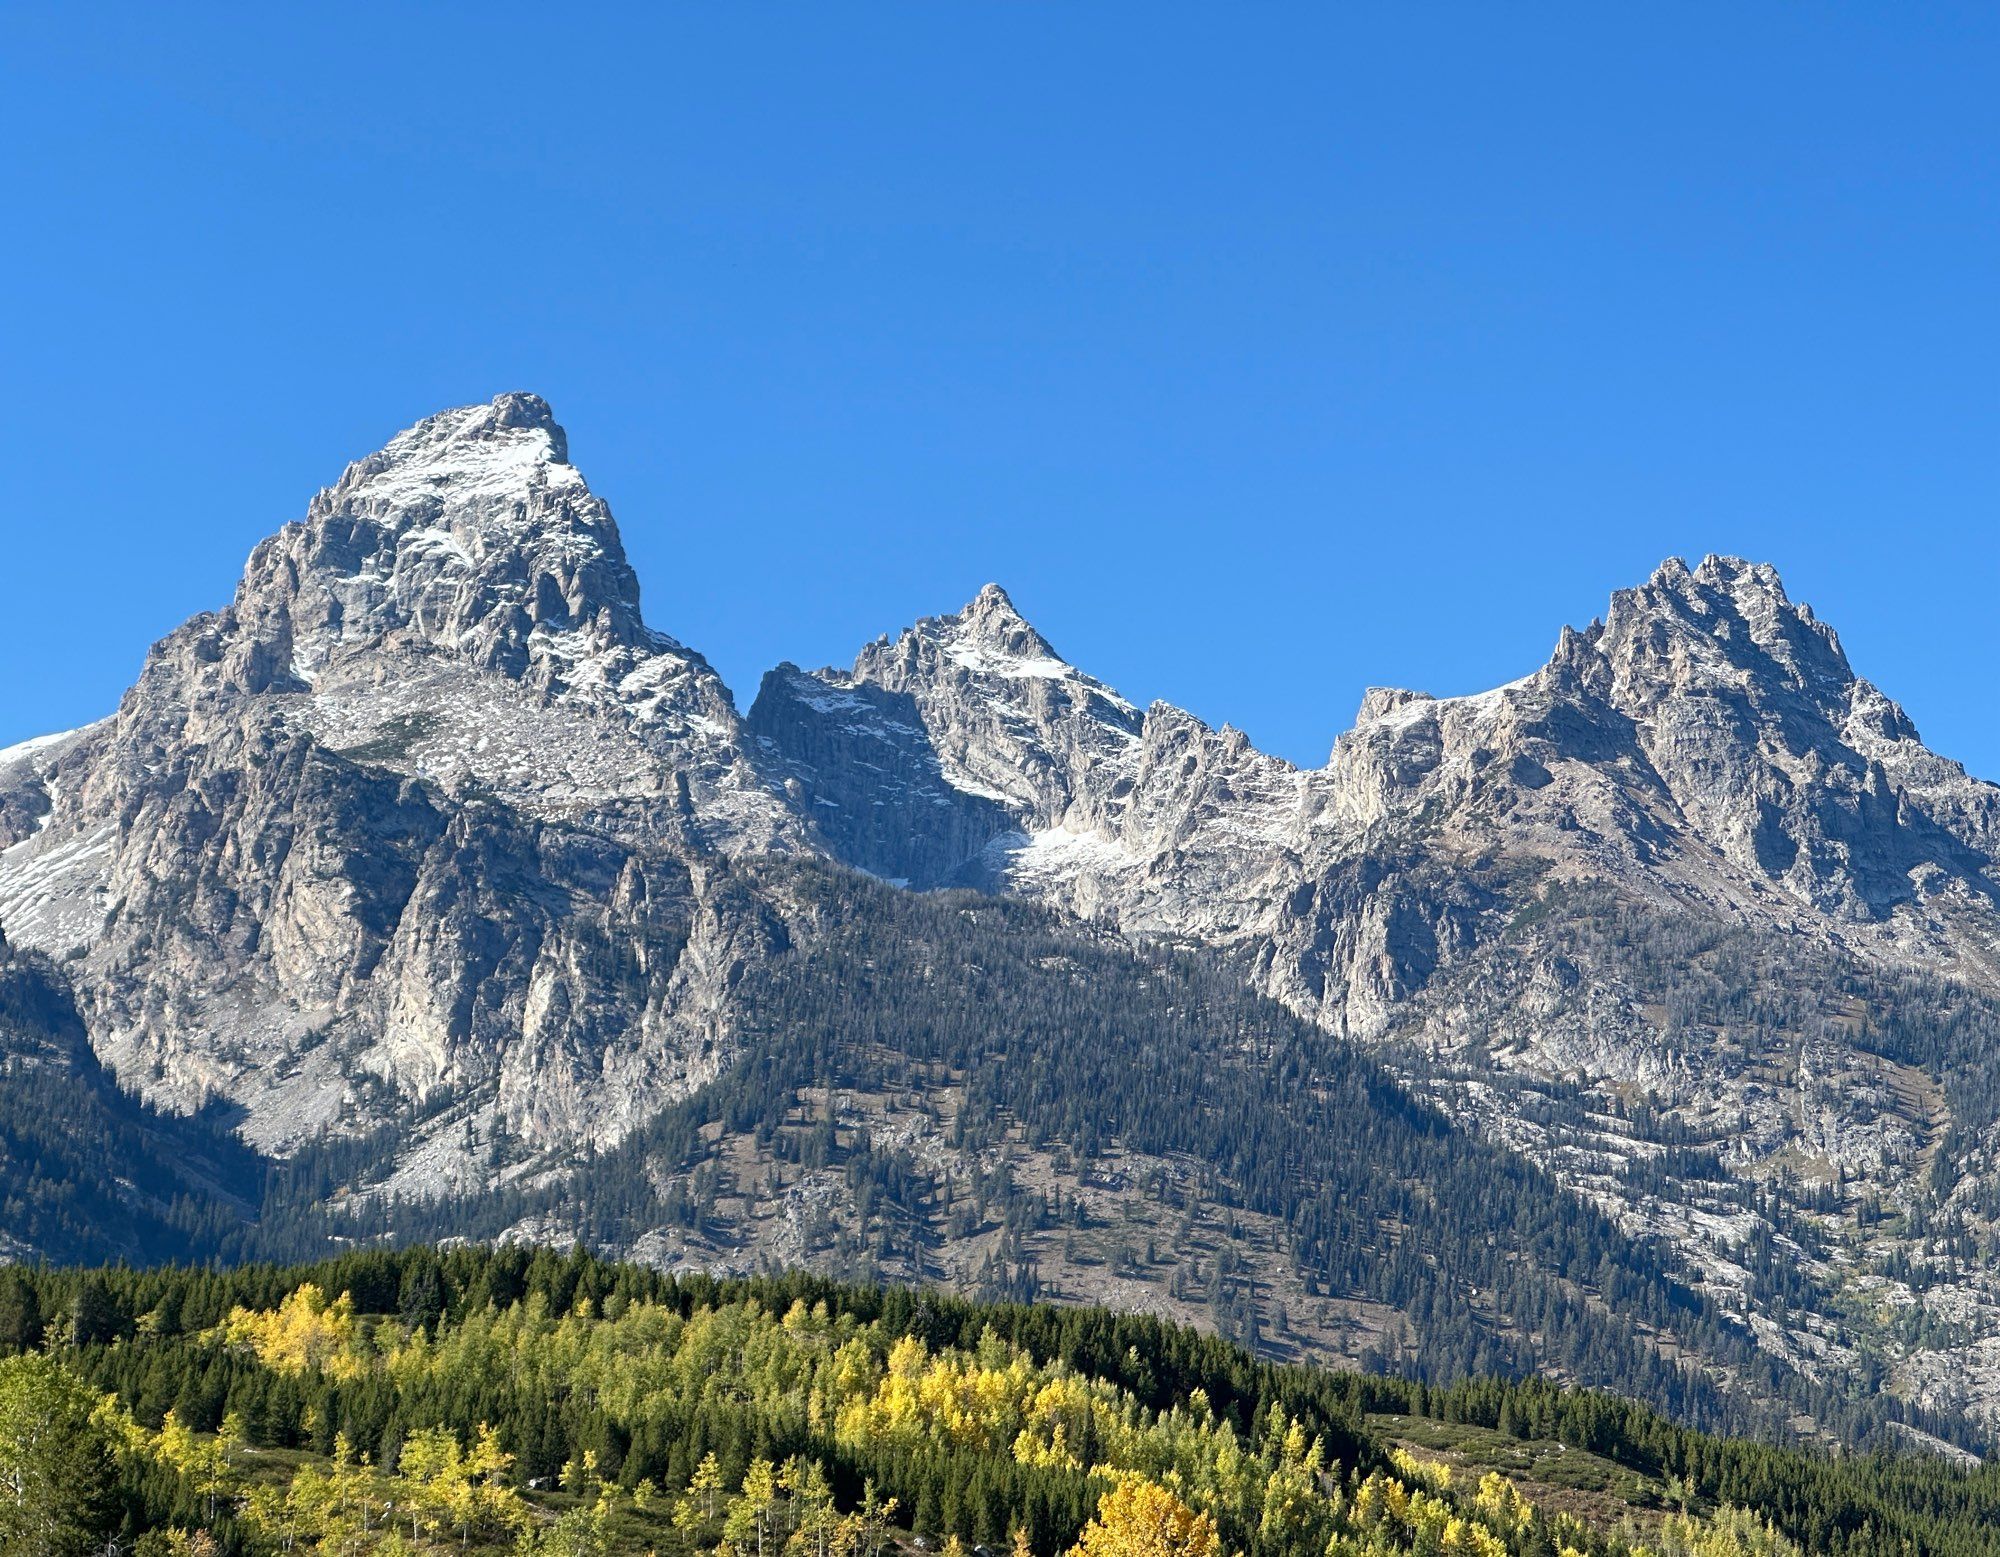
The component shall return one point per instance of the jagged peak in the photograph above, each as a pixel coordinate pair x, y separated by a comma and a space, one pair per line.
505, 418
991, 640
992, 598
511, 443
1671, 574
991, 637
990, 634
1753, 587
1724, 609
992, 617
1738, 575
470, 530
1719, 570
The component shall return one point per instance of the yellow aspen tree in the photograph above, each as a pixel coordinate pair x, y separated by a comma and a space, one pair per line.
1141, 1518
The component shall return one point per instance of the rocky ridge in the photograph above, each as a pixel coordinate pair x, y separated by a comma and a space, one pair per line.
1702, 769
1705, 742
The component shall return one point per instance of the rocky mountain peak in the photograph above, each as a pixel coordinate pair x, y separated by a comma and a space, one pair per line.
458, 607
988, 636
469, 533
986, 651
518, 422
430, 815
1727, 622
991, 618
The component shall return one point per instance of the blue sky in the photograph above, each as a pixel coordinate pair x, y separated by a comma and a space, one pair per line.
1263, 352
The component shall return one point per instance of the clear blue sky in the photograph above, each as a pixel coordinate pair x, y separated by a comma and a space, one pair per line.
1263, 352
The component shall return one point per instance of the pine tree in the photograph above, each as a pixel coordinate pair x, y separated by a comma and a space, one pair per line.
20, 1313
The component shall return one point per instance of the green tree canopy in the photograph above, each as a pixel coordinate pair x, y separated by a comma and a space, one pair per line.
56, 1470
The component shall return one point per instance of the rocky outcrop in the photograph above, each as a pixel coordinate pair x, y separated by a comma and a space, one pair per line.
858, 762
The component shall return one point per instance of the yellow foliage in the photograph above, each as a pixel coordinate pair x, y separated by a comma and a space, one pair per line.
304, 1334
1141, 1518
1729, 1532
1429, 1474
1501, 1502
441, 1498
1005, 1402
1185, 1474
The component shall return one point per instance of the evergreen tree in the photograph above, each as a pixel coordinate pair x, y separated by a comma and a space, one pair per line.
94, 1315
20, 1313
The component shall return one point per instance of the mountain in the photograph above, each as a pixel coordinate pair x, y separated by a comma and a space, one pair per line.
1635, 1021
1690, 914
426, 813
1706, 743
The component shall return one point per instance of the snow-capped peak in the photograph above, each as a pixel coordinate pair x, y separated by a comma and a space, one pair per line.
991, 638
469, 532
472, 469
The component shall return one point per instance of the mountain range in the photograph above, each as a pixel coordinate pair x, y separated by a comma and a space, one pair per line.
1637, 1022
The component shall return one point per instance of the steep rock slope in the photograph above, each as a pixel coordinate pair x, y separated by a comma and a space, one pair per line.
459, 607
1707, 742
427, 815
89, 1172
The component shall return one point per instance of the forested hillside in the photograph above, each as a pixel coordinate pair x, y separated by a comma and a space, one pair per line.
89, 1172
496, 1399
949, 1087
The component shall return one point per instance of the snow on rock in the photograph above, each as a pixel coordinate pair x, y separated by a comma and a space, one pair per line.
20, 751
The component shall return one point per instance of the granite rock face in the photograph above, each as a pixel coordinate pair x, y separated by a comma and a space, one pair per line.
459, 607
859, 763
427, 814
1707, 743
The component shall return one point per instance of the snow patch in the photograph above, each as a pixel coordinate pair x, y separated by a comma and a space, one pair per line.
51, 894
20, 750
1481, 705
984, 660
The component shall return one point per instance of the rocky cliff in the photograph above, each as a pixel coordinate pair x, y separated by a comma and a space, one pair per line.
1683, 913
428, 815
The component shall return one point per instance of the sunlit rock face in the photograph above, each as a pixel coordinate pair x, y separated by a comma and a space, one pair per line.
427, 813
1706, 742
